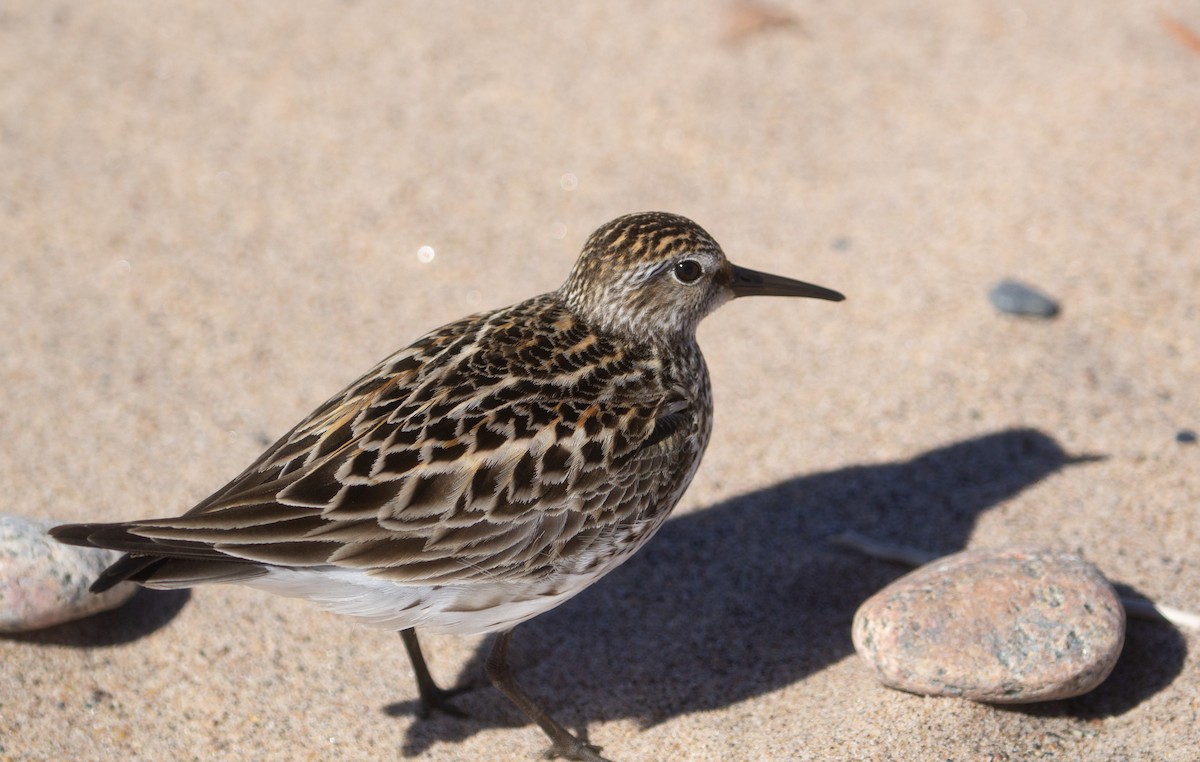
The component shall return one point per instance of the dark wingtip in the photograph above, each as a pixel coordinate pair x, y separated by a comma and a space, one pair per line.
82, 535
74, 534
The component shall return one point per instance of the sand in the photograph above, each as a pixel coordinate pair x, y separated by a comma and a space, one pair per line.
212, 217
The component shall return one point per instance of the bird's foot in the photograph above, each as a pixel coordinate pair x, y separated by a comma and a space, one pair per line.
577, 749
438, 699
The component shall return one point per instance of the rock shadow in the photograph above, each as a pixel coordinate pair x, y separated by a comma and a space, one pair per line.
144, 613
1153, 655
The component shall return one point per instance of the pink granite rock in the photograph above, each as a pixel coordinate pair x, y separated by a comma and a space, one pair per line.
1008, 625
43, 582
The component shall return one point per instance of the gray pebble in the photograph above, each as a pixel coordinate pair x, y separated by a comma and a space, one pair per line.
1006, 626
1016, 298
1185, 436
43, 582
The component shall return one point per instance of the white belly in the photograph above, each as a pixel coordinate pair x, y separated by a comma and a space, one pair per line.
460, 609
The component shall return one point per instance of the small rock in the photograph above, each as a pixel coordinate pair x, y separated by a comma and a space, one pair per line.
43, 582
1006, 626
1016, 298
1185, 436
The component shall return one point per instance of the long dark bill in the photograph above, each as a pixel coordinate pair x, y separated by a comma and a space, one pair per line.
746, 282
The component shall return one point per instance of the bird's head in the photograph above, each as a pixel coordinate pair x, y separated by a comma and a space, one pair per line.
654, 274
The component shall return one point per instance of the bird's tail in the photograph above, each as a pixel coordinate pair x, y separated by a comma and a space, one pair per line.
154, 564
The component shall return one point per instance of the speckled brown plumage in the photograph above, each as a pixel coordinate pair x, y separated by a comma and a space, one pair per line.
489, 471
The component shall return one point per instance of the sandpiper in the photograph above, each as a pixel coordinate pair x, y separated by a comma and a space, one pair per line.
486, 473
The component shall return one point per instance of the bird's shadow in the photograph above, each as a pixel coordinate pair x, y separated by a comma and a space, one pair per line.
145, 612
749, 596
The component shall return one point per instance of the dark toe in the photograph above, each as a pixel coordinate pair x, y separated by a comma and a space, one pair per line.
580, 750
439, 701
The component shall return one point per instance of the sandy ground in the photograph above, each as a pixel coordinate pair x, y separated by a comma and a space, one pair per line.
211, 218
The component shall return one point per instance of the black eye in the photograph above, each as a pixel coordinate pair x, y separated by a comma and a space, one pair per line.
688, 271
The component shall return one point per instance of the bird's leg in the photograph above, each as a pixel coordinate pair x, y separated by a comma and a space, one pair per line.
431, 695
565, 745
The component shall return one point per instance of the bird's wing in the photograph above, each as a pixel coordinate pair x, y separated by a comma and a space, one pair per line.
485, 450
